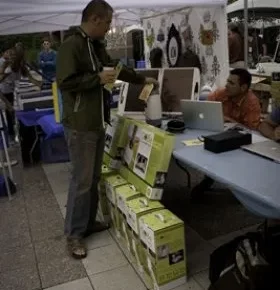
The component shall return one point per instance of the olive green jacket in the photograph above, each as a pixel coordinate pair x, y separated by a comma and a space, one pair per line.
79, 61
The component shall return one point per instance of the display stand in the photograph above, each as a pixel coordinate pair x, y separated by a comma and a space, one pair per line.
151, 237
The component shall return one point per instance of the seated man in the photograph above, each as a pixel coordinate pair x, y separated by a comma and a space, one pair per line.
270, 127
240, 105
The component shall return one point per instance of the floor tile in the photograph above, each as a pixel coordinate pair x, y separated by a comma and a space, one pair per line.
81, 284
54, 168
226, 238
14, 227
190, 285
45, 218
104, 259
99, 240
55, 266
198, 261
62, 199
63, 211
35, 183
18, 258
194, 242
123, 278
24, 278
59, 181
203, 279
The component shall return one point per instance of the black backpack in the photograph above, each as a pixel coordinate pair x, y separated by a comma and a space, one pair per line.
249, 262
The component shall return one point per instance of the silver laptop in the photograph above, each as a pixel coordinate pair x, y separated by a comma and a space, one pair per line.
203, 115
268, 149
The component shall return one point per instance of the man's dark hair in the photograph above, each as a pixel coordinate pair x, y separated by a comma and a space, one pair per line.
99, 8
245, 78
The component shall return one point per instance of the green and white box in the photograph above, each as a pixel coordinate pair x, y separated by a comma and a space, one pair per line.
116, 136
114, 219
164, 236
153, 193
111, 162
136, 208
103, 210
124, 194
111, 183
148, 152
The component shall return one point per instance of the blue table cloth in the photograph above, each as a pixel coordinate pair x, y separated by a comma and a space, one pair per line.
30, 118
50, 127
254, 180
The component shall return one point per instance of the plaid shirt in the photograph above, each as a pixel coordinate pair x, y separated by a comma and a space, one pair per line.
245, 110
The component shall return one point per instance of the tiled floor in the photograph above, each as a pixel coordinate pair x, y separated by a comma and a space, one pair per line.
33, 247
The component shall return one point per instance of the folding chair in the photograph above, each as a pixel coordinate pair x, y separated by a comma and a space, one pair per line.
6, 157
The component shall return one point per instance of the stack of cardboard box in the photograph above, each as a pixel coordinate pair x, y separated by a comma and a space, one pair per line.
154, 237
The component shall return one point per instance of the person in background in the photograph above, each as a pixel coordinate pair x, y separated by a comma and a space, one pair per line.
235, 46
47, 61
4, 57
81, 78
257, 44
240, 105
270, 127
10, 71
189, 59
156, 56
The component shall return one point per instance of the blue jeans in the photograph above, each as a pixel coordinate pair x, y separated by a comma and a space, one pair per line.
86, 155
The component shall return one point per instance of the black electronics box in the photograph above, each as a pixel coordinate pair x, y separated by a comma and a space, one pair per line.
227, 141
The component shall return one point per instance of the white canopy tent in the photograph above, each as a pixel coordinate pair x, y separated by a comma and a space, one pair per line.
28, 16
256, 8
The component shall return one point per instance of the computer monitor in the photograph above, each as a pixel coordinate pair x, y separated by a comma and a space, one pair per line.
129, 103
179, 84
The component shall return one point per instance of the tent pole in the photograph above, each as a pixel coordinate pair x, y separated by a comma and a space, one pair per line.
246, 33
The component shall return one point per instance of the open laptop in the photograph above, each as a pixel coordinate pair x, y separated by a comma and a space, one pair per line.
203, 115
267, 149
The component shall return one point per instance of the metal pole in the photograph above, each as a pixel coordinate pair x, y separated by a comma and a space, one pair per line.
246, 33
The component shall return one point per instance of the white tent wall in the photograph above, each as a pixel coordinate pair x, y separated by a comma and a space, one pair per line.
26, 16
203, 29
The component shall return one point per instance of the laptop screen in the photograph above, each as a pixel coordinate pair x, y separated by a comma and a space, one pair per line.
177, 85
133, 104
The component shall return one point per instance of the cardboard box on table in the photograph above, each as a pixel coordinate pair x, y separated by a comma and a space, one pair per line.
147, 154
136, 208
164, 252
111, 184
104, 213
124, 194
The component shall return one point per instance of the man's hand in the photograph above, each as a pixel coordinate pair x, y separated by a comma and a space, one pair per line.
107, 77
277, 133
153, 81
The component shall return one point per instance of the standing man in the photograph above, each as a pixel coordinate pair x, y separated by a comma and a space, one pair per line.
47, 61
81, 78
